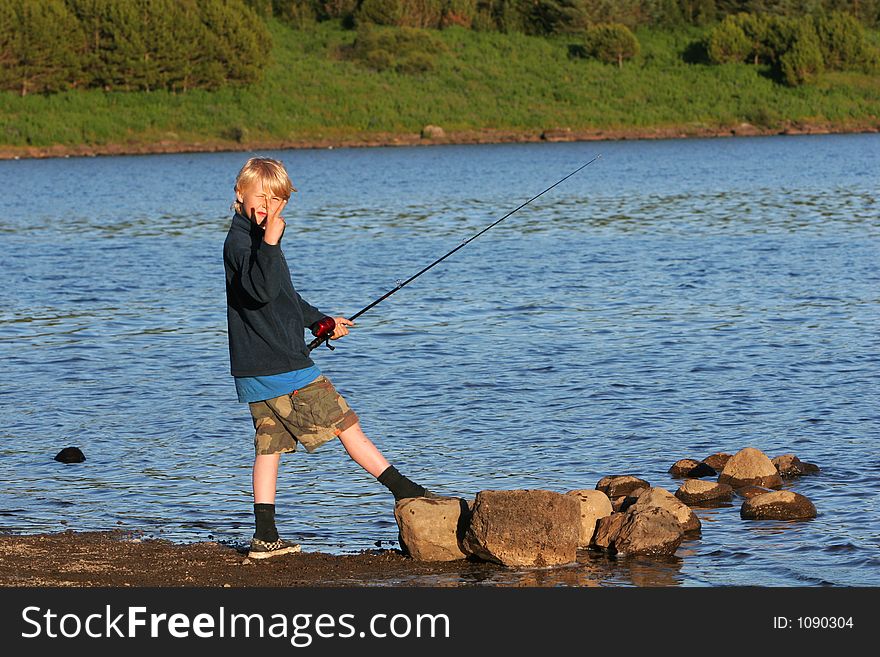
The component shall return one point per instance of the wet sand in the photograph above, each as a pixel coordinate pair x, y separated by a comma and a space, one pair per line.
118, 559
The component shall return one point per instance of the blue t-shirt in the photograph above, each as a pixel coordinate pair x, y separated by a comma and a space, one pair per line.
260, 388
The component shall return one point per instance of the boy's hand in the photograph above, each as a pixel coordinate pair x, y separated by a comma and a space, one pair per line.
274, 224
341, 329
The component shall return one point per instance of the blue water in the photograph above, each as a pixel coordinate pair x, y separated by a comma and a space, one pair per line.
674, 299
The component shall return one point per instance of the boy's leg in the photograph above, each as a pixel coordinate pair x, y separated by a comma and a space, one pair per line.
363, 452
265, 478
270, 441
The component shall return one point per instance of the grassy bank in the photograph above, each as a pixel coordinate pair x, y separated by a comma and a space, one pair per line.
482, 83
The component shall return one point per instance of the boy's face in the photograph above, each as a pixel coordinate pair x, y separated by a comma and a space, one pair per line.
257, 202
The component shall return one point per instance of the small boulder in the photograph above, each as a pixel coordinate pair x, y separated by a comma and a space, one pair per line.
789, 465
662, 498
717, 461
70, 455
652, 531
524, 527
748, 492
691, 468
607, 529
594, 505
778, 505
698, 492
432, 529
620, 485
433, 132
750, 467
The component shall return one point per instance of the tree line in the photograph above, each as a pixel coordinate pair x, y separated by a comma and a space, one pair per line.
544, 17
54, 45
796, 49
48, 46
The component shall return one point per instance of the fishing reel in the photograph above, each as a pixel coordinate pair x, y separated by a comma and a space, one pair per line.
322, 330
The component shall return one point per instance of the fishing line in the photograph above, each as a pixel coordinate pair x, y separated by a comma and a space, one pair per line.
323, 329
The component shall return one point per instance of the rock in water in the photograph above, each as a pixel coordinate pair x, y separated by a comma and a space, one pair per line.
717, 461
652, 531
70, 455
594, 506
789, 465
524, 527
607, 530
778, 505
697, 491
747, 492
620, 485
662, 498
432, 529
691, 468
750, 467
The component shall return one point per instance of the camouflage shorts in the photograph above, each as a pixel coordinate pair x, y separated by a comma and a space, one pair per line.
311, 416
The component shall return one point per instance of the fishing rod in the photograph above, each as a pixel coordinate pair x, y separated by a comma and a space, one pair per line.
323, 328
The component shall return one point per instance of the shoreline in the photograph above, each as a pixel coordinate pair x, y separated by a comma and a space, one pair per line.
115, 558
461, 137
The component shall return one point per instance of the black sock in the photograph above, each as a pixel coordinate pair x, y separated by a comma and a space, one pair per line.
399, 485
265, 516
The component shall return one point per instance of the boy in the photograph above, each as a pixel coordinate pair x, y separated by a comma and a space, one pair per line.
290, 400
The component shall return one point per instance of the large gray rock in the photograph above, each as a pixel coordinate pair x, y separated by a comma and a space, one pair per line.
778, 505
750, 467
662, 498
620, 485
594, 505
653, 531
718, 460
691, 468
524, 527
432, 529
789, 465
697, 492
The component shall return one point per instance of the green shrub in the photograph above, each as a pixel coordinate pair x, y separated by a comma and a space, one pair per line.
740, 37
802, 62
727, 43
612, 43
406, 50
842, 40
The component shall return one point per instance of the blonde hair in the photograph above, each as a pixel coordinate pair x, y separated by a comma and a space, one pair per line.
271, 173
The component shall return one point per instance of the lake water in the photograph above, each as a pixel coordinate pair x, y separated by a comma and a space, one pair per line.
673, 299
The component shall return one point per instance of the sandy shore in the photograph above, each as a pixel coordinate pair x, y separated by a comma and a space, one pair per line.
416, 139
118, 559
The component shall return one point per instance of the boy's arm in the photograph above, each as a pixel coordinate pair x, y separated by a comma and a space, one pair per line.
310, 313
261, 272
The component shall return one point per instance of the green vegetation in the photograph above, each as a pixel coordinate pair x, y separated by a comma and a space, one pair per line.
52, 45
798, 48
328, 81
